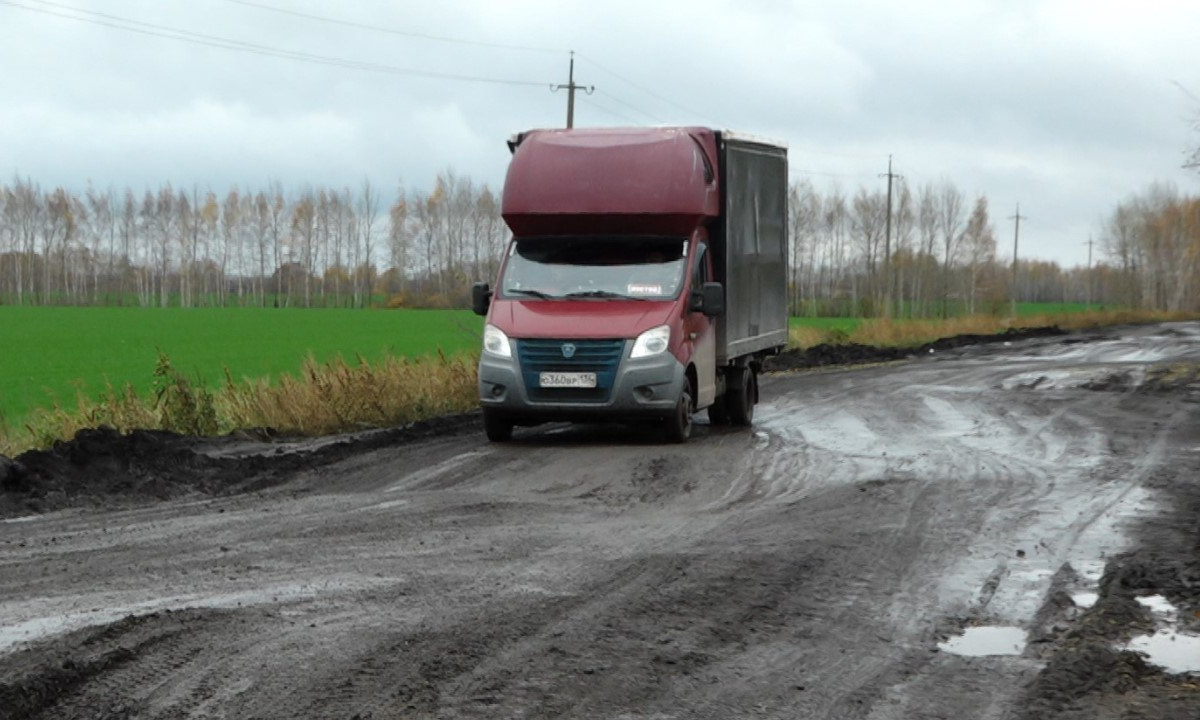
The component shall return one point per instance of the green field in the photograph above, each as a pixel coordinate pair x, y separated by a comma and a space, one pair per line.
48, 352
845, 324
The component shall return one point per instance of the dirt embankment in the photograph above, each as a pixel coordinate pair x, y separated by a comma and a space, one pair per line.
102, 467
812, 567
856, 354
1088, 676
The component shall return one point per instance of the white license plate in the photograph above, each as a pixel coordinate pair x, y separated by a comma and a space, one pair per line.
568, 380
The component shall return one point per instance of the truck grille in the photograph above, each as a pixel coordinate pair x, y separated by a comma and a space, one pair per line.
599, 356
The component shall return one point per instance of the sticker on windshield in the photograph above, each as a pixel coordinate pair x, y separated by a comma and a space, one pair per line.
643, 289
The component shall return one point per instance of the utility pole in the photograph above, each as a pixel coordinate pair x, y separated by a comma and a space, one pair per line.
1016, 238
887, 242
571, 87
1088, 277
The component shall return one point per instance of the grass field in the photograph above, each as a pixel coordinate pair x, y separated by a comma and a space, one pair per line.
49, 352
49, 355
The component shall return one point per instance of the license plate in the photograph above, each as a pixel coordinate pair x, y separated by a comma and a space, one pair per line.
568, 380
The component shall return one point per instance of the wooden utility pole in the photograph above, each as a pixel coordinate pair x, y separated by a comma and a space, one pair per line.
1016, 239
1088, 277
571, 87
887, 243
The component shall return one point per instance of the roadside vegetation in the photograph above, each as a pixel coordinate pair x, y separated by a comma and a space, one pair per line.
51, 354
423, 366
322, 398
884, 332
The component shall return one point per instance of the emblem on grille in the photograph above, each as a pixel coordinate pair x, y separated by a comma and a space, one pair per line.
568, 350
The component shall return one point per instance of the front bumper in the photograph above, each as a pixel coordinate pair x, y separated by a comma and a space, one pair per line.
643, 388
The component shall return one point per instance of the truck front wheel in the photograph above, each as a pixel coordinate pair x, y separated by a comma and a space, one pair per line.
679, 423
496, 427
740, 393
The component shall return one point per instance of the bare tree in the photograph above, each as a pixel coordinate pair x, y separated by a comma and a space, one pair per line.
949, 222
979, 241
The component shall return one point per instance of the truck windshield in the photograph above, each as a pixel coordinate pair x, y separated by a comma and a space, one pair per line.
595, 266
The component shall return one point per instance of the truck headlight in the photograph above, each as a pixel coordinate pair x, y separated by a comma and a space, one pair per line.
496, 342
652, 342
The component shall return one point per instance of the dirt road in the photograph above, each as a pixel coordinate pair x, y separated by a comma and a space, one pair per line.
844, 559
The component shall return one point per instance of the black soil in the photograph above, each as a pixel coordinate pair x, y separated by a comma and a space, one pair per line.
1087, 675
855, 354
102, 467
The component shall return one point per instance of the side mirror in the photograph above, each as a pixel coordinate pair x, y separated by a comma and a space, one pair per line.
709, 299
481, 298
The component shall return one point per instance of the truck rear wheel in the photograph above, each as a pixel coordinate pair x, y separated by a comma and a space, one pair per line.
496, 427
740, 393
717, 412
678, 427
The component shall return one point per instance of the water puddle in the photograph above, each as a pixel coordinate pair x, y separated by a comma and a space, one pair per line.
1175, 651
388, 505
22, 519
432, 473
1157, 604
985, 641
13, 633
1085, 599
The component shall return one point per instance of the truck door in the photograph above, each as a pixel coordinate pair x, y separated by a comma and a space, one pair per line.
702, 332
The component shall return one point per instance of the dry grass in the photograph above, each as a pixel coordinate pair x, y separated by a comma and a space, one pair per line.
913, 333
335, 396
323, 398
338, 396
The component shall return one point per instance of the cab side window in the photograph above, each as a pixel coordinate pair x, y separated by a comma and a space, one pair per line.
700, 271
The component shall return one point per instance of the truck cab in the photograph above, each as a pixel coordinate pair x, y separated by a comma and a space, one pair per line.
611, 300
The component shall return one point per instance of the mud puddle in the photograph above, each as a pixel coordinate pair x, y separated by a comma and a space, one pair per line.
986, 641
1172, 650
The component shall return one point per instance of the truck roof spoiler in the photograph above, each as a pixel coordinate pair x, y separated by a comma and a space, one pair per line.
748, 138
515, 139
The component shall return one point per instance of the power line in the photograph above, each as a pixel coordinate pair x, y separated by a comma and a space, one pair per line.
644, 89
393, 31
639, 111
465, 41
609, 111
197, 38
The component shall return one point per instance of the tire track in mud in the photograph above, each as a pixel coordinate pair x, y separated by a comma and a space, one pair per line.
808, 568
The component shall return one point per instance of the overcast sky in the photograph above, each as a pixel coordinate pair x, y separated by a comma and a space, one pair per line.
1064, 107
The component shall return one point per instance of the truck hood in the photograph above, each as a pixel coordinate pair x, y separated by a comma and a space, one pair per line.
579, 318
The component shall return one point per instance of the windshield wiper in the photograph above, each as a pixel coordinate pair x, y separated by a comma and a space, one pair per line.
602, 294
532, 293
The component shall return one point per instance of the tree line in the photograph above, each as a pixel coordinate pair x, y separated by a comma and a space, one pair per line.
935, 253
319, 247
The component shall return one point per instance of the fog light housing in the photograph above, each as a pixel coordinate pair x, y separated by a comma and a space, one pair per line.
498, 390
645, 392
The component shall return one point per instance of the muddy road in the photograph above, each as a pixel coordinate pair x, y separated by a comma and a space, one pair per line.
988, 532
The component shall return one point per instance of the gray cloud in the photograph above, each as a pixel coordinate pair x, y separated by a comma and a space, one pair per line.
1065, 107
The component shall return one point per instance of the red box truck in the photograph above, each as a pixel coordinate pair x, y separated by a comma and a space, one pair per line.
645, 278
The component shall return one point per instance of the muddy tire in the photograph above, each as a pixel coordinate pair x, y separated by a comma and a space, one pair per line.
718, 414
496, 427
678, 426
740, 394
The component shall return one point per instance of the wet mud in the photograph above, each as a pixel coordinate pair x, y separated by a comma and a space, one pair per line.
102, 467
1091, 672
856, 354
978, 534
